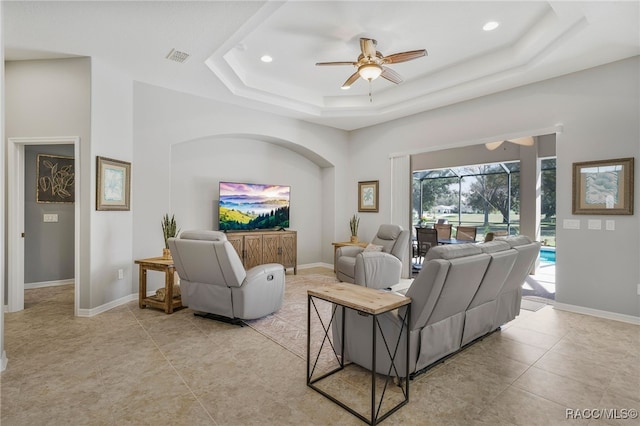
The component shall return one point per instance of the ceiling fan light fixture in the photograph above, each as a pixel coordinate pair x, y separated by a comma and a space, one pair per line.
493, 145
370, 71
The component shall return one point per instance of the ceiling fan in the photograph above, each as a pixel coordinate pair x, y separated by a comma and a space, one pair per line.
526, 141
371, 63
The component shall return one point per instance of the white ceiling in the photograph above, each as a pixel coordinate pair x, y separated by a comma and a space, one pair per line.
536, 40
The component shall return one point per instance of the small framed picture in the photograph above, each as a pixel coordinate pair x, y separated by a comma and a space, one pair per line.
113, 184
603, 187
368, 196
56, 179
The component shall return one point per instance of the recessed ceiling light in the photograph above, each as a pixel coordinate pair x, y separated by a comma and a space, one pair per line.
491, 25
266, 58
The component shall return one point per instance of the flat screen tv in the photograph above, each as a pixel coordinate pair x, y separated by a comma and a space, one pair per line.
251, 206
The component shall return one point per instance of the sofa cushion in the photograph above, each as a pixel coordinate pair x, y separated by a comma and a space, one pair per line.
494, 246
389, 232
347, 266
518, 240
453, 251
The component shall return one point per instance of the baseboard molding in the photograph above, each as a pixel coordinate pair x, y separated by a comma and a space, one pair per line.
316, 265
41, 284
597, 313
103, 308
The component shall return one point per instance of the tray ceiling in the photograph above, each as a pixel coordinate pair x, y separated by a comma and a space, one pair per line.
536, 40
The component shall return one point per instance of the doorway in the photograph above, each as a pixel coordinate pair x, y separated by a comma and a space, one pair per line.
16, 216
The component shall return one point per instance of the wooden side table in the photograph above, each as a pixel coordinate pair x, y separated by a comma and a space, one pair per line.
369, 302
169, 304
337, 245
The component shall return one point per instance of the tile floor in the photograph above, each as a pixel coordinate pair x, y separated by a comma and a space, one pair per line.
130, 366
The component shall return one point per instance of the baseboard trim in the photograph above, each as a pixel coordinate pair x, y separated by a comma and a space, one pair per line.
316, 265
41, 284
103, 308
597, 313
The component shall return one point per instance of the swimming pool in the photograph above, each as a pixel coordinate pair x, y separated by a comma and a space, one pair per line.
548, 254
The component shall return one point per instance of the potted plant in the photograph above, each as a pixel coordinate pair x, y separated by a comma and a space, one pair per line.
169, 230
353, 224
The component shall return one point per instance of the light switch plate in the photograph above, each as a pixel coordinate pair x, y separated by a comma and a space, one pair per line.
594, 224
571, 223
610, 225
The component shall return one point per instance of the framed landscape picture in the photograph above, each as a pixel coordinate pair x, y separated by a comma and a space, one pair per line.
603, 187
368, 196
55, 181
113, 184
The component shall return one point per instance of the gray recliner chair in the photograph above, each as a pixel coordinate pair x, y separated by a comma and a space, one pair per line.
375, 269
214, 281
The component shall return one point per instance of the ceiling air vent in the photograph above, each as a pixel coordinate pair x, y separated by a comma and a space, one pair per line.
178, 56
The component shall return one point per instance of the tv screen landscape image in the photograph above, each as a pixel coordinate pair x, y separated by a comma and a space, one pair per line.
250, 206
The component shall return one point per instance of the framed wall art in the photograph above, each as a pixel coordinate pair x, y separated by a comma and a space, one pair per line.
55, 181
113, 184
603, 187
368, 196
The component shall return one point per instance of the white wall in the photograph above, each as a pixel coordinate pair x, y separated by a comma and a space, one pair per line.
111, 137
198, 166
599, 111
164, 118
3, 355
53, 98
597, 108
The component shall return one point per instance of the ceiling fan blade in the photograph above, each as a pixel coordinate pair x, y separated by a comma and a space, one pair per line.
526, 141
404, 56
351, 80
322, 64
493, 145
368, 47
391, 75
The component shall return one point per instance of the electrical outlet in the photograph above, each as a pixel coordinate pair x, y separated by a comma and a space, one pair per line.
50, 217
571, 223
594, 224
120, 274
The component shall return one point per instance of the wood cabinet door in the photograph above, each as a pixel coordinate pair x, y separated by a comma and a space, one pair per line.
289, 250
252, 251
237, 243
271, 248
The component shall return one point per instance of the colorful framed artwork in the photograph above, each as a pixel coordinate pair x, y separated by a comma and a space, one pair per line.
603, 187
368, 196
113, 184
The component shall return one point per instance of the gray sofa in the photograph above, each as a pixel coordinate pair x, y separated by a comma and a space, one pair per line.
213, 280
462, 293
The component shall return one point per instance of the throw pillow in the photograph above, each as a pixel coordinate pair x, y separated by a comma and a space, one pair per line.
373, 247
